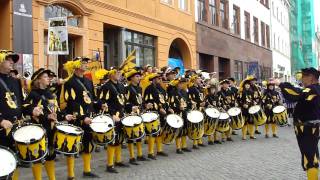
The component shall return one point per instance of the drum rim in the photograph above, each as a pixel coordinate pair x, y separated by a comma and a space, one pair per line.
279, 112
143, 135
254, 106
45, 154
105, 123
205, 112
197, 112
69, 133
154, 132
31, 142
174, 115
234, 108
103, 144
14, 155
134, 125
150, 112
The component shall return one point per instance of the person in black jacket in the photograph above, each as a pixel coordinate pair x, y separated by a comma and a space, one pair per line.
81, 102
134, 106
306, 118
155, 99
113, 93
12, 104
41, 96
270, 99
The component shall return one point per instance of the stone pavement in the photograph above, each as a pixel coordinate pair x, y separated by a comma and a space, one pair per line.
263, 159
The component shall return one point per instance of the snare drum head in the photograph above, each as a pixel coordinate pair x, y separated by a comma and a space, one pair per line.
234, 111
195, 116
254, 109
278, 109
101, 124
149, 116
224, 116
27, 133
174, 121
69, 129
212, 112
8, 162
131, 120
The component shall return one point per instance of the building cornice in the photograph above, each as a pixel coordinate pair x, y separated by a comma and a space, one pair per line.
74, 5
136, 15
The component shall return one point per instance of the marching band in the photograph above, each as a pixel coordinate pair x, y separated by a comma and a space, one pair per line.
74, 116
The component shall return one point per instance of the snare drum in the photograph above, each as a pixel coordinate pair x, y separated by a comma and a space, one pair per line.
223, 123
30, 141
67, 139
102, 130
8, 163
171, 128
280, 115
257, 115
151, 123
133, 127
237, 120
211, 120
195, 125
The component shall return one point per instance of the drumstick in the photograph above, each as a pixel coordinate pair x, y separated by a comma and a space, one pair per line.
18, 122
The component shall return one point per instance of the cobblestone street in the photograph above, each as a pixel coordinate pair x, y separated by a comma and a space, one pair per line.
267, 159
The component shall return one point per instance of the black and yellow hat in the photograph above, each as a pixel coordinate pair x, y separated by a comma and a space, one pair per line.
38, 73
113, 70
82, 59
132, 73
310, 71
4, 54
175, 82
225, 81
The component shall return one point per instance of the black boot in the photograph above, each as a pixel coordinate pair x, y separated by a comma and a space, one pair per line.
275, 136
179, 151
121, 164
257, 132
90, 175
151, 156
202, 145
142, 158
217, 142
266, 136
133, 161
210, 143
186, 150
161, 153
252, 137
195, 147
97, 149
229, 139
111, 169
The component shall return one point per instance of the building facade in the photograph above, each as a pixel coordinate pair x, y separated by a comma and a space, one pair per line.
109, 30
280, 39
233, 38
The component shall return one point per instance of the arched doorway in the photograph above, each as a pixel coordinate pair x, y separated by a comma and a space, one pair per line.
179, 54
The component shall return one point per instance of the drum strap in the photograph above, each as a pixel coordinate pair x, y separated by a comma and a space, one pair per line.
84, 87
8, 90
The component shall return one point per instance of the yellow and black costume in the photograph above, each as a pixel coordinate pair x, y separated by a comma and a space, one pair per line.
82, 103
211, 101
306, 120
257, 97
12, 103
180, 103
271, 98
113, 93
157, 96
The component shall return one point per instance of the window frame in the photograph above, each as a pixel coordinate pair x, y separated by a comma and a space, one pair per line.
263, 34
214, 14
236, 13
186, 5
256, 29
247, 25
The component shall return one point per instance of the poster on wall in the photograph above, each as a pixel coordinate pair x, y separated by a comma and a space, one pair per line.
253, 69
58, 36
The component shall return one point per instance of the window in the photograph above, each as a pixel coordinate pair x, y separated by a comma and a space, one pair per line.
167, 1
236, 20
183, 5
266, 3
281, 17
263, 34
212, 8
223, 14
278, 13
144, 46
247, 25
238, 73
274, 41
268, 36
273, 9
256, 30
202, 10
59, 11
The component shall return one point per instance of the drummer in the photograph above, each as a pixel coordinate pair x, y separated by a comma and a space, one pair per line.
113, 93
41, 96
180, 103
226, 101
211, 102
11, 101
82, 103
271, 98
234, 90
196, 96
246, 101
155, 99
257, 97
134, 106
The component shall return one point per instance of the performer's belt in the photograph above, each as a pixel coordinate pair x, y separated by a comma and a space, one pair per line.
308, 123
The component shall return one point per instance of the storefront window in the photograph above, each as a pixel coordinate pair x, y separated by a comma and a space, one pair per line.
60, 11
144, 46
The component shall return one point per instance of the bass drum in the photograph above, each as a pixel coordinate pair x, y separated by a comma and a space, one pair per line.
68, 139
211, 121
151, 123
102, 130
223, 124
280, 115
8, 163
171, 128
133, 127
237, 120
195, 125
257, 115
